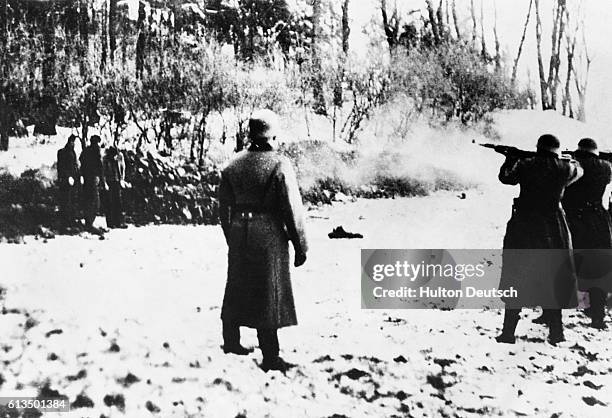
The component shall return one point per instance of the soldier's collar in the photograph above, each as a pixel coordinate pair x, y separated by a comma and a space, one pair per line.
547, 153
259, 147
586, 153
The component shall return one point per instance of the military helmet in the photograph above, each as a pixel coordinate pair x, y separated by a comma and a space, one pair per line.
263, 125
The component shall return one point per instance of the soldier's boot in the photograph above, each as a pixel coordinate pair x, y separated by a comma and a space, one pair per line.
511, 318
268, 343
231, 340
598, 308
555, 327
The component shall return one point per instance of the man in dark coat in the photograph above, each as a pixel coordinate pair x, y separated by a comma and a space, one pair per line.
93, 176
69, 180
261, 211
114, 174
591, 227
541, 278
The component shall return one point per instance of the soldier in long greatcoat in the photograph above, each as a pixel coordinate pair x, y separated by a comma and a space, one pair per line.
69, 180
541, 278
93, 176
114, 175
591, 228
261, 212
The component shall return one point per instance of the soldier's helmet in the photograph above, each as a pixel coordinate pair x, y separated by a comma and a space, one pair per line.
548, 142
263, 125
587, 144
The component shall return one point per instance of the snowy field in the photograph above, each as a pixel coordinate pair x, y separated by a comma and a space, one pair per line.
132, 321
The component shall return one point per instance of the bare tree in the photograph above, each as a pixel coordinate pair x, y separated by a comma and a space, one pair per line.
455, 20
543, 84
319, 98
83, 34
521, 43
48, 64
3, 24
440, 17
141, 40
483, 42
497, 46
346, 30
474, 23
582, 82
112, 29
390, 24
570, 47
433, 22
104, 38
555, 56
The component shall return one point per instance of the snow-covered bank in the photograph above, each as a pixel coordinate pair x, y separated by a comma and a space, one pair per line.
139, 317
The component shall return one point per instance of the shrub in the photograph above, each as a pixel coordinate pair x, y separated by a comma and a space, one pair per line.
453, 81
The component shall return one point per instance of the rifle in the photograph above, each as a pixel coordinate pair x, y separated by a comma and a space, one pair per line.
604, 155
509, 151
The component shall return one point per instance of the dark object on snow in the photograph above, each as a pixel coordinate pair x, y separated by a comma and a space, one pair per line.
82, 401
116, 400
340, 233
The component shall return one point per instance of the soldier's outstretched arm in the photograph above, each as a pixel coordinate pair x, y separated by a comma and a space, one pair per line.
509, 171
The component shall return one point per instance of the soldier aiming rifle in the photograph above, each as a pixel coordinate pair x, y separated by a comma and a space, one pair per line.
538, 222
510, 152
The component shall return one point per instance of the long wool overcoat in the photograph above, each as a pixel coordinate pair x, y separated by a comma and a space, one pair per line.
541, 278
589, 222
260, 212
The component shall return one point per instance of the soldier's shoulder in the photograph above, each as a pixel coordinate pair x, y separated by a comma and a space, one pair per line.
235, 161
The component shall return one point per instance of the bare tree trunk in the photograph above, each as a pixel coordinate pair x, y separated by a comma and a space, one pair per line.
497, 47
582, 84
3, 24
455, 20
3, 37
520, 48
84, 35
48, 65
555, 60
570, 40
319, 106
141, 40
346, 30
440, 17
390, 25
483, 42
543, 83
474, 23
433, 22
112, 30
104, 39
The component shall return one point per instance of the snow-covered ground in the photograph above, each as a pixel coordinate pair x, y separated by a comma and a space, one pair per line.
137, 315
